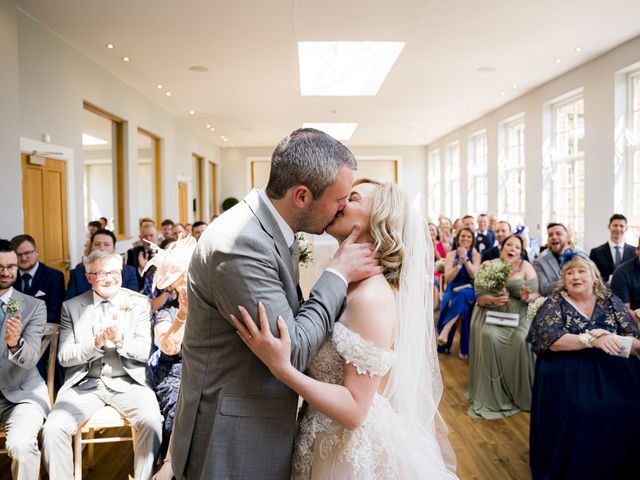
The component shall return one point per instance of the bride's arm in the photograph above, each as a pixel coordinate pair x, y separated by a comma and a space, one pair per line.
347, 404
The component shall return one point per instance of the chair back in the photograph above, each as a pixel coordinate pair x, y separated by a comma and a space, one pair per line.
50, 339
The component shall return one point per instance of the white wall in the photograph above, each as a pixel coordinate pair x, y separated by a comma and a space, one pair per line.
55, 79
597, 79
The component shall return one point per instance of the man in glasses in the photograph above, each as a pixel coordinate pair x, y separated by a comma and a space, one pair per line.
24, 400
105, 341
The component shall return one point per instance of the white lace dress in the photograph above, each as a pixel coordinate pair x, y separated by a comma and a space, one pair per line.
383, 447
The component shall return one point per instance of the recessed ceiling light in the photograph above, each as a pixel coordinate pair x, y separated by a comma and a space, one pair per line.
558, 60
225, 139
503, 93
199, 68
213, 129
168, 94
221, 137
578, 49
192, 112
208, 125
345, 68
515, 85
110, 46
159, 86
126, 59
339, 130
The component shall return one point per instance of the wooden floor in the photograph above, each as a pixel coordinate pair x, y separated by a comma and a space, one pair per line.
486, 450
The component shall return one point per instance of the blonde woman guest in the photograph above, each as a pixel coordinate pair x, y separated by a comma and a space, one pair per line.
500, 360
584, 413
446, 234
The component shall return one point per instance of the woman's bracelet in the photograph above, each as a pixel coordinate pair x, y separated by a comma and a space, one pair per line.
587, 339
181, 320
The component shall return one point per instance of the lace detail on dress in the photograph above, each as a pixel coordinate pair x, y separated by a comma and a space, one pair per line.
364, 355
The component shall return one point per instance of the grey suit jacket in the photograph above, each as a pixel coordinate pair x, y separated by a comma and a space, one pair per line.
548, 271
76, 349
234, 419
20, 380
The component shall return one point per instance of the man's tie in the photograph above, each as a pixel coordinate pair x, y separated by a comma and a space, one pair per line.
618, 256
3, 311
26, 283
294, 249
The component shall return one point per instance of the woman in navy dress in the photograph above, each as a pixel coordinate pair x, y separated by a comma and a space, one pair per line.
584, 413
460, 268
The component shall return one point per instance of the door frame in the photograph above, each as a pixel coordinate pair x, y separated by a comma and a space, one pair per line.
28, 145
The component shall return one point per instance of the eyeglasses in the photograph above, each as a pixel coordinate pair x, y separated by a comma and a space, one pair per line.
8, 268
103, 275
26, 254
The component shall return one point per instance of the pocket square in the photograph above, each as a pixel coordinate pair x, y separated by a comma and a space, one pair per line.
39, 293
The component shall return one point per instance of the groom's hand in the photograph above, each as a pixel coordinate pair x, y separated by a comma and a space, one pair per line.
355, 261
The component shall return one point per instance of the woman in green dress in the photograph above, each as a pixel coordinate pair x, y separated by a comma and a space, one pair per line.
500, 360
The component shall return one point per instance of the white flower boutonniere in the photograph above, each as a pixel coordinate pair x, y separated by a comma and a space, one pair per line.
13, 306
127, 306
306, 255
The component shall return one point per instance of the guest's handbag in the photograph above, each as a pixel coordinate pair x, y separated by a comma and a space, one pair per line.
502, 319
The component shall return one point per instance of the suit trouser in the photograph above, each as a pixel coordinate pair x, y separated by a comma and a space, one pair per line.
22, 422
137, 404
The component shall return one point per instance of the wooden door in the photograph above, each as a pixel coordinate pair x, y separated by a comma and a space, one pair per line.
44, 201
183, 203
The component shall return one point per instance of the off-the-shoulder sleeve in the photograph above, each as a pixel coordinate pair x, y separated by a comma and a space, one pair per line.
365, 356
548, 324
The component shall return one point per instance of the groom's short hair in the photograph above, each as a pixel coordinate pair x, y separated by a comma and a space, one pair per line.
307, 157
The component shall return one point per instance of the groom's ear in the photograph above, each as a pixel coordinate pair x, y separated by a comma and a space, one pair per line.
301, 196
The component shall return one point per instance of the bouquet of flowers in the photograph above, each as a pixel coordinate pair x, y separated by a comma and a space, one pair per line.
493, 275
438, 267
533, 308
306, 254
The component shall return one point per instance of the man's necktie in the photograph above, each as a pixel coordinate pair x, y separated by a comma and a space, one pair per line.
294, 249
3, 311
26, 282
618, 256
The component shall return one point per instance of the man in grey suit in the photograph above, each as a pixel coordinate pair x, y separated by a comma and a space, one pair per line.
105, 341
547, 265
24, 400
234, 419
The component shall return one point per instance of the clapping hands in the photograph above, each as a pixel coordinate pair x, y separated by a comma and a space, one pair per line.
13, 331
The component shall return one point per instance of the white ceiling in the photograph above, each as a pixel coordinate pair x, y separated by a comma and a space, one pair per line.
251, 92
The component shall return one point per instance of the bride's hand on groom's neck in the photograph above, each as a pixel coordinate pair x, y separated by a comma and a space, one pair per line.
356, 261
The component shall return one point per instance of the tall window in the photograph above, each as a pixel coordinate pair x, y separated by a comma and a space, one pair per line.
452, 180
633, 151
477, 174
567, 165
511, 173
148, 194
434, 185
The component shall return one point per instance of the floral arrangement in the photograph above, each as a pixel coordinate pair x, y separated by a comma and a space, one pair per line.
493, 275
533, 308
438, 267
306, 254
13, 306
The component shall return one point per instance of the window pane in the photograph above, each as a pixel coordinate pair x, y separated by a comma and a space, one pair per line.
98, 153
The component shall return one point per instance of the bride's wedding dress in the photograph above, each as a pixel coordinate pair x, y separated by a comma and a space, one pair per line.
386, 446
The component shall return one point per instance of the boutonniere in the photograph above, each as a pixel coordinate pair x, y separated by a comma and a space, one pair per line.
13, 306
306, 255
127, 306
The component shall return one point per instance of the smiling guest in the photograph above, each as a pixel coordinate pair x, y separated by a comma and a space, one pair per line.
548, 264
611, 254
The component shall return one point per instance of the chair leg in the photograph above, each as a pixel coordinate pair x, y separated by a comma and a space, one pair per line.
92, 434
77, 455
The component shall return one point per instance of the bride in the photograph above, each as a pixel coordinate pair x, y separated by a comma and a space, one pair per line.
373, 390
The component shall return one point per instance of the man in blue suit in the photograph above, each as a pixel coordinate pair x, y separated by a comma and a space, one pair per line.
78, 283
610, 255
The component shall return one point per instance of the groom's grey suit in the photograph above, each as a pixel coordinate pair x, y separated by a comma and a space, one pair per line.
234, 419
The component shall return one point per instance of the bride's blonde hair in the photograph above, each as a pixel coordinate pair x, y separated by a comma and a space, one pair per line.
387, 222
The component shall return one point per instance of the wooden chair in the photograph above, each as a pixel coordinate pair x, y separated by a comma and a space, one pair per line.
49, 338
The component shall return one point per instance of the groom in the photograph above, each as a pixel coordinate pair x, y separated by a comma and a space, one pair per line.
234, 419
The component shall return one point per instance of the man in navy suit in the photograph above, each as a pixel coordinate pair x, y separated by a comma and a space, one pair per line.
37, 279
78, 283
611, 254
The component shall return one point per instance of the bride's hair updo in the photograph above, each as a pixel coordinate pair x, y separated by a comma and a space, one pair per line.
387, 221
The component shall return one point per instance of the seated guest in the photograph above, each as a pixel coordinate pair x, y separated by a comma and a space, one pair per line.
460, 268
493, 223
165, 229
611, 254
104, 223
587, 381
503, 230
500, 360
24, 400
485, 238
177, 229
189, 228
547, 265
92, 228
467, 222
138, 256
105, 340
625, 282
78, 283
445, 234
37, 279
171, 274
438, 253
197, 229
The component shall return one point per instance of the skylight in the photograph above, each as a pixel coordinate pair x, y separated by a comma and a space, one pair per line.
88, 140
345, 68
339, 131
